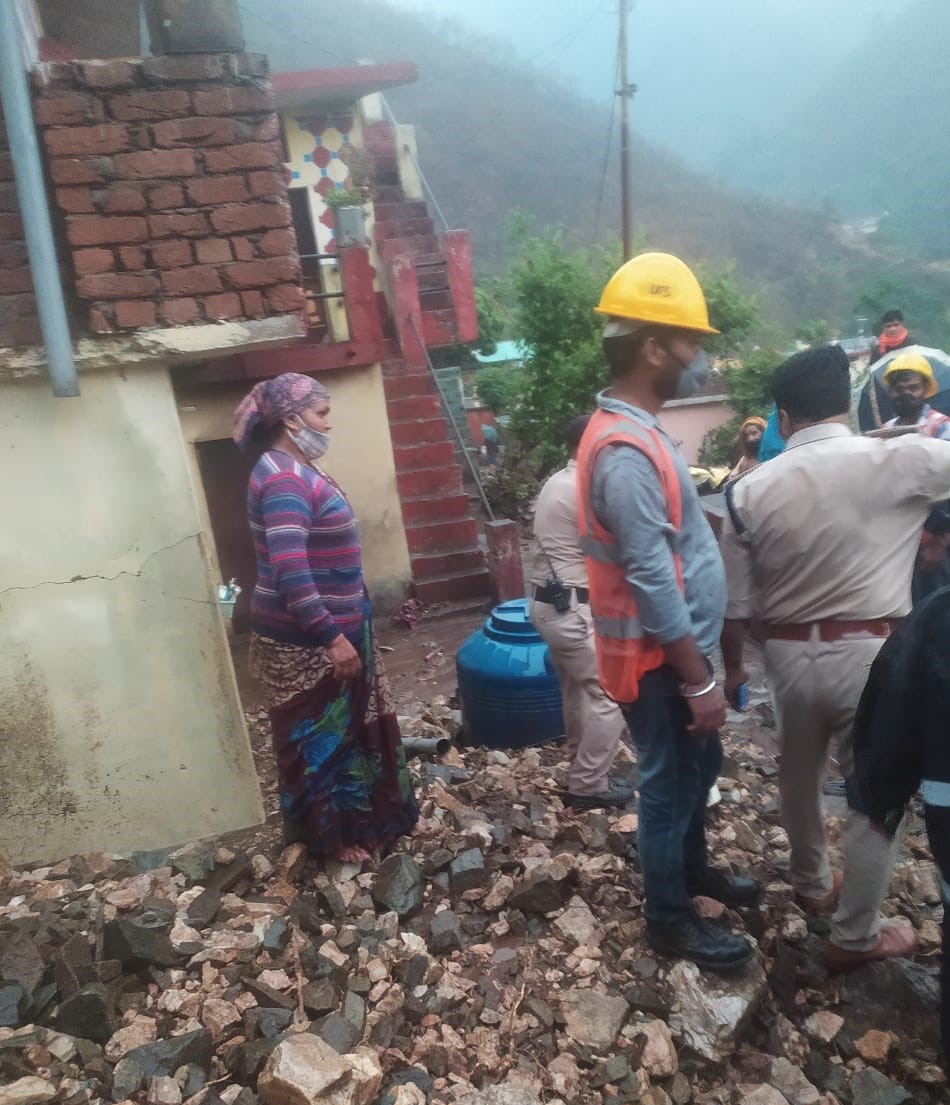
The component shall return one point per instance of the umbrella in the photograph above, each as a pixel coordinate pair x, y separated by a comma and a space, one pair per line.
874, 406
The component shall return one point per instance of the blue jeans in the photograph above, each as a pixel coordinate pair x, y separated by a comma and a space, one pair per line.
675, 772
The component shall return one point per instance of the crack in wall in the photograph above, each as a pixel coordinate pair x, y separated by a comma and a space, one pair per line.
125, 572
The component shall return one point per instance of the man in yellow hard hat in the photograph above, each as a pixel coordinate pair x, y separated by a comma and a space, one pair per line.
657, 598
910, 382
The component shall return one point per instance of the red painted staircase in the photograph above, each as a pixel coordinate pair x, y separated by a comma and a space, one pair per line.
441, 531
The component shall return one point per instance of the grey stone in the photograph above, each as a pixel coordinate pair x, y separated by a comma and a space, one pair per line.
898, 993
20, 961
195, 861
339, 1033
246, 1061
320, 997
593, 1018
467, 871
790, 1081
398, 885
267, 1022
870, 1087
614, 1070
437, 860
540, 1009
505, 1095
647, 997
276, 937
163, 1057
191, 1078
11, 997
228, 875
267, 996
141, 941
88, 1013
538, 892
354, 1010
201, 912
714, 1010
69, 961
445, 933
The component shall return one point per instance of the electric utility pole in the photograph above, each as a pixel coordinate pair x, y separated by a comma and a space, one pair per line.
626, 93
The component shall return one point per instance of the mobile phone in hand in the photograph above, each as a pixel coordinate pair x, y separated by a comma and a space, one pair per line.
742, 696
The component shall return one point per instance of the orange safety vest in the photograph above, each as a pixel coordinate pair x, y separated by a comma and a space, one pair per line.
624, 652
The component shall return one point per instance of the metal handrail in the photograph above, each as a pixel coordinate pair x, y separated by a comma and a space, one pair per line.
430, 195
455, 429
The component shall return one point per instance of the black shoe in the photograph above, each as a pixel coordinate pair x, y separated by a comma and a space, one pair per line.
731, 890
704, 943
615, 795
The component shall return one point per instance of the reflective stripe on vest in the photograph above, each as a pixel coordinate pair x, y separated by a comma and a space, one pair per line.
624, 652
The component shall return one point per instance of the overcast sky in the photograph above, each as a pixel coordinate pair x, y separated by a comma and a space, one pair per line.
705, 68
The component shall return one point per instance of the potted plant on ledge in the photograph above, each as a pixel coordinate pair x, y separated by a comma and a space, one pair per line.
349, 224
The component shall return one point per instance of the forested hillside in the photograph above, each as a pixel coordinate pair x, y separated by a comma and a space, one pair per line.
496, 136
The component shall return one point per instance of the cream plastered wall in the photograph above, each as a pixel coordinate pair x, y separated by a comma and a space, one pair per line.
120, 726
360, 459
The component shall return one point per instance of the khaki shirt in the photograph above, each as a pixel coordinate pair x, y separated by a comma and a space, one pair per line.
830, 528
555, 527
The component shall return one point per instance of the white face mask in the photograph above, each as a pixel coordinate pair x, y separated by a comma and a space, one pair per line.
694, 375
311, 443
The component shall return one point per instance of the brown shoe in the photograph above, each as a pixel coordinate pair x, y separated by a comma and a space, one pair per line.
827, 902
894, 941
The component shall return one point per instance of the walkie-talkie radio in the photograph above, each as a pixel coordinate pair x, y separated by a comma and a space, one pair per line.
557, 592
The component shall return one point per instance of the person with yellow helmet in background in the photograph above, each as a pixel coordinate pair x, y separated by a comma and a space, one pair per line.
657, 598
910, 382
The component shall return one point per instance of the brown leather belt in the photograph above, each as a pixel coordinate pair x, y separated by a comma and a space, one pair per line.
832, 630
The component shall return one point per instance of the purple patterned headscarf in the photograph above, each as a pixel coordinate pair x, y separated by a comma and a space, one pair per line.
271, 400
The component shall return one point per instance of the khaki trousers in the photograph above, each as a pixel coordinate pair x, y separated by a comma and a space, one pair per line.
593, 723
816, 688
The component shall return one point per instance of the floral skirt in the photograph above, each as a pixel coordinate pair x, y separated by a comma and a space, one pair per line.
341, 768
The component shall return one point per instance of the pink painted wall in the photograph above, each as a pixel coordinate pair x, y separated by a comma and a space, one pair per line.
688, 424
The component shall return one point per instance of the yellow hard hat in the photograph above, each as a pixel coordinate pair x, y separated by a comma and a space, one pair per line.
913, 362
658, 288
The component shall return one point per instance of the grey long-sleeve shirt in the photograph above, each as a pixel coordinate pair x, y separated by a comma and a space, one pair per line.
629, 502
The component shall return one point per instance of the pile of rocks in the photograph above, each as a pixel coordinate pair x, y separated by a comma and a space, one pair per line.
497, 958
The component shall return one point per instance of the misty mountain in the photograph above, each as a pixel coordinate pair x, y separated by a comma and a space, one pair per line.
496, 136
872, 140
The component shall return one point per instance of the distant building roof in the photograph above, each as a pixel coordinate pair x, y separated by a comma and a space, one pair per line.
504, 351
304, 89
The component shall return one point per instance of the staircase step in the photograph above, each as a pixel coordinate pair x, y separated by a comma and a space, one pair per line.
378, 133
383, 161
439, 328
436, 299
407, 209
388, 193
420, 431
432, 277
402, 387
421, 226
442, 507
444, 480
453, 585
416, 247
426, 454
412, 408
430, 564
432, 537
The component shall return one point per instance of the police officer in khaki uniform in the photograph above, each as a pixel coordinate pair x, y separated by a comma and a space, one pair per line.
819, 543
560, 611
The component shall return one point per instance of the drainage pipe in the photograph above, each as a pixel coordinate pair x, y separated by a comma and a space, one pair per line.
426, 746
34, 209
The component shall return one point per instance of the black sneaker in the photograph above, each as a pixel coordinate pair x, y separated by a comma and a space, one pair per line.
702, 942
615, 795
731, 890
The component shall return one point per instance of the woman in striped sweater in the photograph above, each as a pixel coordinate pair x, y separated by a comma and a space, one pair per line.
344, 788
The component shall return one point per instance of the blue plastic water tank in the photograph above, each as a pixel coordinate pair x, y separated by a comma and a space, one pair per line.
508, 689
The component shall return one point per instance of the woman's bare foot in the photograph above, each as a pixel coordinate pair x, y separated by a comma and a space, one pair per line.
352, 853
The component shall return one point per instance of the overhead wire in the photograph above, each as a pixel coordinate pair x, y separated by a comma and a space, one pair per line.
609, 145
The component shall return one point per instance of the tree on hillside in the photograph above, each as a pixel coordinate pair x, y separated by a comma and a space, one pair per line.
498, 386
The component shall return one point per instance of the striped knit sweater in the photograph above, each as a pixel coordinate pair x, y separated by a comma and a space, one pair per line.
309, 574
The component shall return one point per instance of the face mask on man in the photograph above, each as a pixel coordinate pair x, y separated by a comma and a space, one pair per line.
694, 375
312, 443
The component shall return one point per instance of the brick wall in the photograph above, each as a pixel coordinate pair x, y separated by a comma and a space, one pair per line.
167, 177
18, 321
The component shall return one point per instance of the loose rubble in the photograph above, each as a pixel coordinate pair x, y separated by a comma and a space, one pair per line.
496, 958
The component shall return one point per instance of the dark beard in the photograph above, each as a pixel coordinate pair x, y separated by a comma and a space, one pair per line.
906, 407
